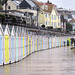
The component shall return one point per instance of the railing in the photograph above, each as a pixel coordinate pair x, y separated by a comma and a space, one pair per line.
8, 21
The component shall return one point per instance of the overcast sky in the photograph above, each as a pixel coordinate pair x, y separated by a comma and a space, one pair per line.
70, 4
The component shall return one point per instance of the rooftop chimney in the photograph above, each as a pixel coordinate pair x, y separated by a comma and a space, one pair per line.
48, 1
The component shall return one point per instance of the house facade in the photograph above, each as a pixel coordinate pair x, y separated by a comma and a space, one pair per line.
55, 18
12, 5
28, 7
44, 18
44, 14
72, 21
63, 22
66, 16
48, 15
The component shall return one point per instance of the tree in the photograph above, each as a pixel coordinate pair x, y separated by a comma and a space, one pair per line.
2, 17
68, 27
0, 7
2, 1
59, 29
14, 19
24, 22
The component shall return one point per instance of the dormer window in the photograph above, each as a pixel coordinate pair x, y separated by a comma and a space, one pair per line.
43, 7
46, 7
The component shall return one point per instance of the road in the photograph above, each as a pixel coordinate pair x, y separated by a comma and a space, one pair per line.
56, 61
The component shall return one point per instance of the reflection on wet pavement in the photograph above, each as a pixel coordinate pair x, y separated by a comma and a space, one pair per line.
57, 61
73, 50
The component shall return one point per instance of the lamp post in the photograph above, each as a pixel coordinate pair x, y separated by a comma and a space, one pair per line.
37, 15
5, 8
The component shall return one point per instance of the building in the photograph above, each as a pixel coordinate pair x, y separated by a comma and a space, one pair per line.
63, 22
66, 16
12, 5
44, 13
28, 7
32, 14
39, 13
28, 4
48, 14
72, 21
55, 18
68, 13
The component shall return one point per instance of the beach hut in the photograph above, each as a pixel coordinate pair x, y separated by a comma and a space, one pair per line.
1, 45
17, 45
24, 42
6, 46
19, 42
13, 50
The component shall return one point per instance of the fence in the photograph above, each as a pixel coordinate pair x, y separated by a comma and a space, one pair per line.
17, 44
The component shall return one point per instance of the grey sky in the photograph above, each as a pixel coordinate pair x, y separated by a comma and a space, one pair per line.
70, 4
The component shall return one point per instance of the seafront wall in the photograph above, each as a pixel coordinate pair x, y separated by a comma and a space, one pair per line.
16, 43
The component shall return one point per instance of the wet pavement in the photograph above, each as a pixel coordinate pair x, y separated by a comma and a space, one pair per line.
57, 61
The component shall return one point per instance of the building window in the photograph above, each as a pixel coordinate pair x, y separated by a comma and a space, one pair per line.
47, 23
46, 7
52, 24
54, 17
9, 7
58, 24
43, 7
17, 7
46, 15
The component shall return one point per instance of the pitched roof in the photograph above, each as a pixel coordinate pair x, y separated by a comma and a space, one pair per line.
72, 21
66, 14
69, 15
45, 6
31, 3
63, 13
16, 2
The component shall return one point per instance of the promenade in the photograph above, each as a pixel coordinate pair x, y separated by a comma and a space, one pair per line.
56, 61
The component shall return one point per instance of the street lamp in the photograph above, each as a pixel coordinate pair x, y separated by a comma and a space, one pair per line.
5, 8
37, 15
